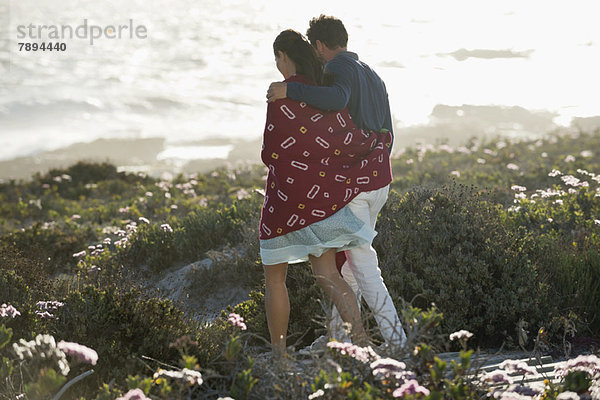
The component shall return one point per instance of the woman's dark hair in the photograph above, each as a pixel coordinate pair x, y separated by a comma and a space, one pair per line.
299, 50
329, 30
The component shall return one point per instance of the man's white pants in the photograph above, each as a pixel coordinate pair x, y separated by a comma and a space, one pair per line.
361, 271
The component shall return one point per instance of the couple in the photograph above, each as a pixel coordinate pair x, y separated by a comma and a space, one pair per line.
328, 153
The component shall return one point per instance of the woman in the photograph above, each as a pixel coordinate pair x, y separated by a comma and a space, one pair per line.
318, 162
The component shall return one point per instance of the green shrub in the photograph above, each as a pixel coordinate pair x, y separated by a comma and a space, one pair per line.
572, 221
152, 245
121, 327
15, 291
24, 282
191, 237
85, 172
53, 247
203, 230
575, 280
448, 246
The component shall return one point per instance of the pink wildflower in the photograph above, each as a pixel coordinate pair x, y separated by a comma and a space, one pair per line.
584, 172
517, 392
550, 192
460, 335
237, 320
49, 305
446, 148
362, 354
122, 242
517, 366
144, 220
134, 394
513, 167
242, 194
589, 364
45, 315
166, 228
79, 351
570, 180
595, 388
497, 376
529, 390
191, 377
82, 253
554, 173
8, 311
410, 387
567, 396
388, 367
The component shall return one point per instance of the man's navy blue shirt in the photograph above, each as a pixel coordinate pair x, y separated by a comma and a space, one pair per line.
355, 85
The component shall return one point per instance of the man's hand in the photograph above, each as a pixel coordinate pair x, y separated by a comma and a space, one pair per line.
277, 90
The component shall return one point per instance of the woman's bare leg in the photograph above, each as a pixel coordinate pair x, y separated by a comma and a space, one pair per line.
340, 293
277, 304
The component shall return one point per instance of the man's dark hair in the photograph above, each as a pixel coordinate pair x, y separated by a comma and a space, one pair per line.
328, 30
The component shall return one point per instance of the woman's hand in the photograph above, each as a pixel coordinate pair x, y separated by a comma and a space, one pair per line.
277, 90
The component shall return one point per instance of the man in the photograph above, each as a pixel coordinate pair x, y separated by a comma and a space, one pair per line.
357, 86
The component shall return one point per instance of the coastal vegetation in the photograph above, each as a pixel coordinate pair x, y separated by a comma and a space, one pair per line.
496, 242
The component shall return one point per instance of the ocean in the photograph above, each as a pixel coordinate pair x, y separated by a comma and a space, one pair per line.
201, 71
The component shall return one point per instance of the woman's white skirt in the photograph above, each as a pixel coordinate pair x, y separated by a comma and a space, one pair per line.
342, 231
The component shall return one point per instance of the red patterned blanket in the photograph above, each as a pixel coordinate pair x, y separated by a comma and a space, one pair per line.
318, 162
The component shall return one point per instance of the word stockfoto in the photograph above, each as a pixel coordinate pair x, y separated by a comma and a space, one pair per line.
84, 31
